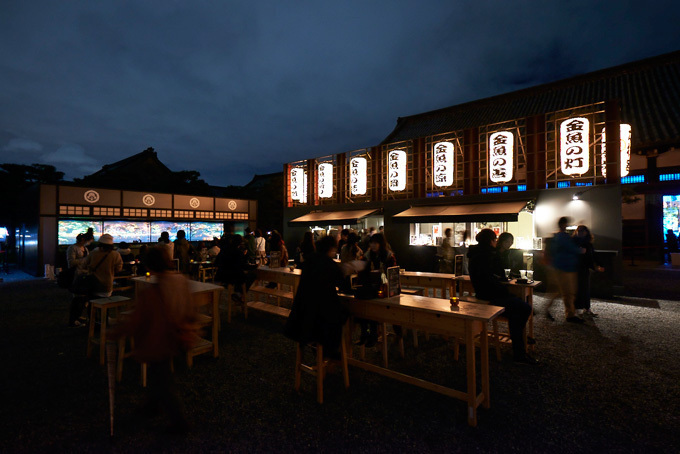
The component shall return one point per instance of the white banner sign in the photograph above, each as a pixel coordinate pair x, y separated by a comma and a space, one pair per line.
396, 170
325, 181
626, 135
297, 184
501, 156
358, 175
442, 164
574, 146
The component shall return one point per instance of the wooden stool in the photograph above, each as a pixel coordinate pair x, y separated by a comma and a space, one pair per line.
104, 305
497, 338
230, 301
319, 369
122, 354
382, 340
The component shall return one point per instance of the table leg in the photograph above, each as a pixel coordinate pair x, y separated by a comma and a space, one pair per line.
216, 321
530, 325
471, 374
102, 334
484, 359
90, 335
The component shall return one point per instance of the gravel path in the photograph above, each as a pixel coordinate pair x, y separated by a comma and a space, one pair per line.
610, 385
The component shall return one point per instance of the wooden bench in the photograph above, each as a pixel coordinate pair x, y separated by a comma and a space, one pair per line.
272, 292
266, 307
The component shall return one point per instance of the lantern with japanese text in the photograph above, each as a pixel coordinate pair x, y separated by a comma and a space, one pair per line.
442, 164
626, 135
325, 180
574, 146
396, 170
501, 156
357, 175
297, 184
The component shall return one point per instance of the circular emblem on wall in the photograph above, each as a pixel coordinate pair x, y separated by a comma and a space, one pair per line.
91, 196
232, 205
194, 202
148, 200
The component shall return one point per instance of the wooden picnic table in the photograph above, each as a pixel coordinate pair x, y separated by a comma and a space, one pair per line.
434, 281
203, 294
435, 315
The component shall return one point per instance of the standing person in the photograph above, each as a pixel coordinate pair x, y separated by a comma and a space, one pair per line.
233, 267
251, 245
587, 262
351, 250
446, 253
671, 242
379, 257
317, 314
183, 251
305, 250
162, 324
164, 241
565, 256
75, 260
126, 255
260, 246
104, 262
344, 235
487, 285
276, 244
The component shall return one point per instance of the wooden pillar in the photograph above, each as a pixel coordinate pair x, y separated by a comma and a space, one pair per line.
536, 153
341, 169
471, 158
612, 123
377, 173
419, 171
287, 200
312, 183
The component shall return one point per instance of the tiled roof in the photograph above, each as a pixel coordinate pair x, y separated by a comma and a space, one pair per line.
648, 92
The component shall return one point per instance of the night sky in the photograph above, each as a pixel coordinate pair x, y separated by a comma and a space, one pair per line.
233, 89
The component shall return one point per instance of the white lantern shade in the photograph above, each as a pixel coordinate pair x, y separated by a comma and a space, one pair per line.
501, 156
442, 164
325, 180
358, 175
625, 132
296, 184
396, 170
575, 146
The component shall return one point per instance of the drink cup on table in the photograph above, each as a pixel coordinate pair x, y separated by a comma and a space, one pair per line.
523, 273
530, 275
507, 273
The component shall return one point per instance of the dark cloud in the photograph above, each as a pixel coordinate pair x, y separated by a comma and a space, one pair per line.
236, 88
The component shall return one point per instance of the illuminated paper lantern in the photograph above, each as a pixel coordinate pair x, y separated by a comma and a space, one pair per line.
501, 156
296, 184
304, 187
396, 170
442, 164
625, 134
574, 143
325, 180
357, 175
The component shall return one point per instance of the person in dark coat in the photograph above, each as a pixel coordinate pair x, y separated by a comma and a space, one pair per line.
488, 286
317, 314
233, 267
587, 262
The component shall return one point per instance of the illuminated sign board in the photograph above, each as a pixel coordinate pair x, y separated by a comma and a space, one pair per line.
396, 170
625, 134
297, 184
574, 143
325, 180
357, 175
501, 156
442, 164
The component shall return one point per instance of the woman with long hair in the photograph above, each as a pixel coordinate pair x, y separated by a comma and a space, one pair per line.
306, 249
276, 244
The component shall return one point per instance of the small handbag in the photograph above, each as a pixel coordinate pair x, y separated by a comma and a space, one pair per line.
85, 284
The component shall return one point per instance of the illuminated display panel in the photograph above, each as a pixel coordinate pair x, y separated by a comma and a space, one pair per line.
128, 231
170, 227
206, 231
671, 213
501, 156
626, 135
443, 164
67, 230
574, 146
358, 175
